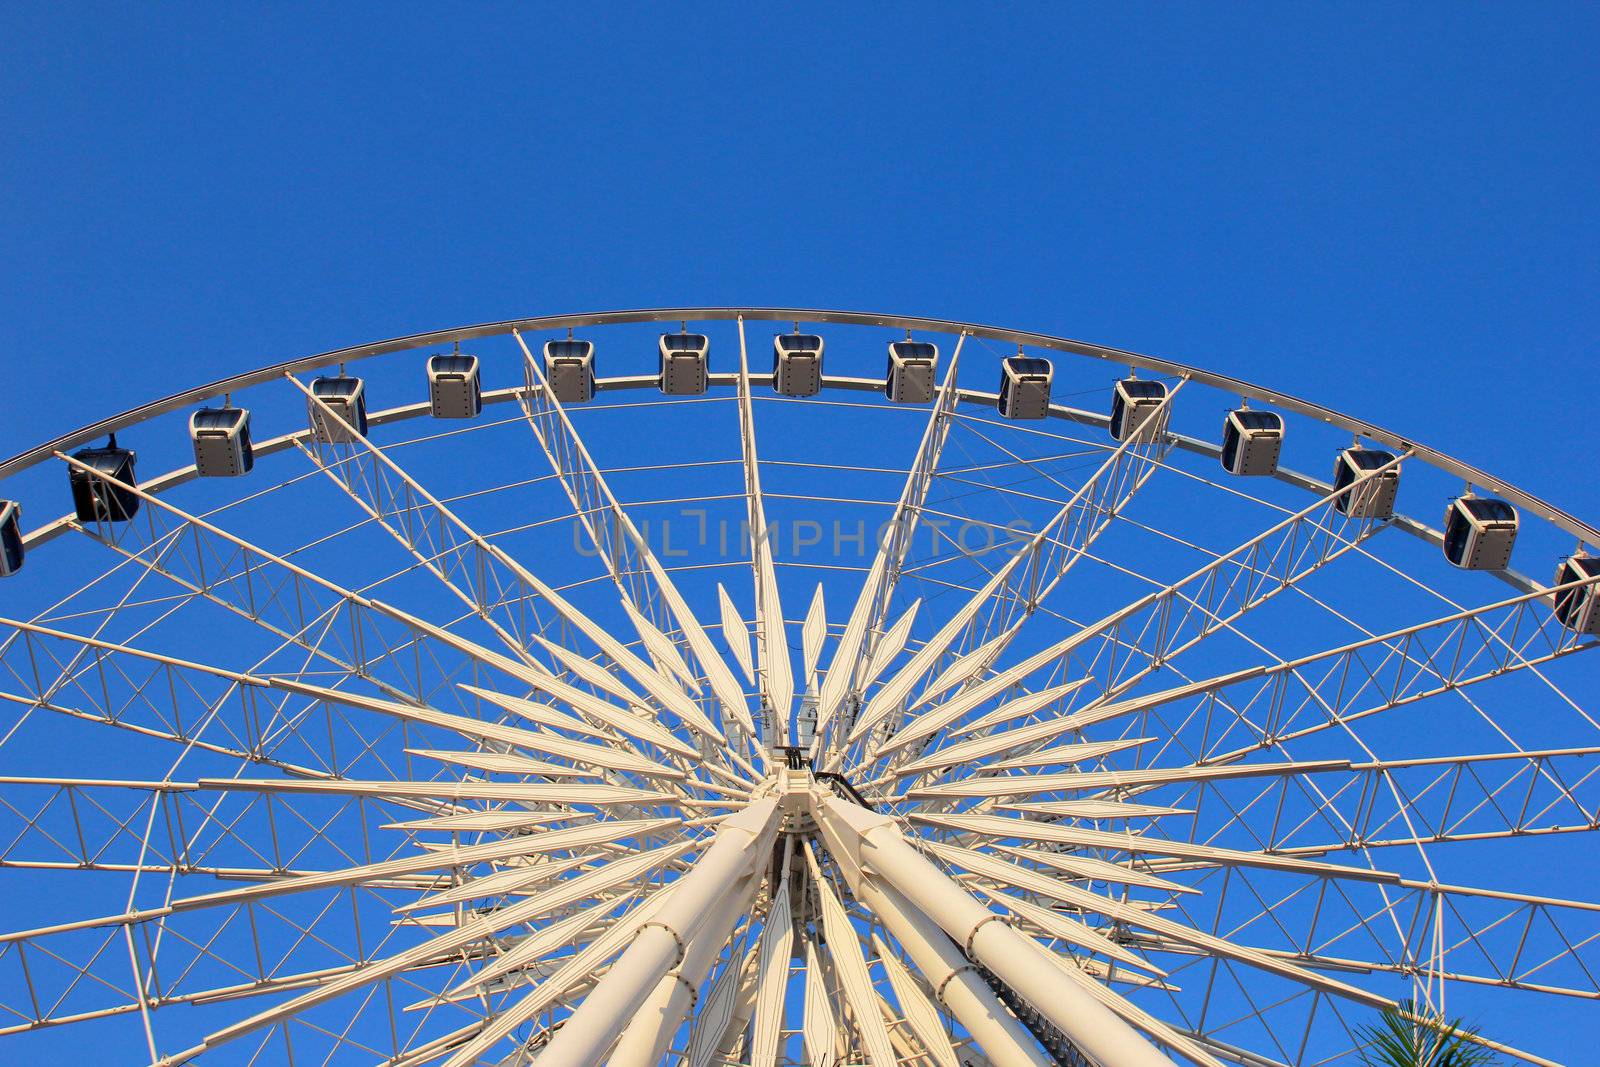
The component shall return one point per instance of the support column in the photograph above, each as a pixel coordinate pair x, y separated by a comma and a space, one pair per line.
1004, 1040
659, 945
874, 845
666, 1007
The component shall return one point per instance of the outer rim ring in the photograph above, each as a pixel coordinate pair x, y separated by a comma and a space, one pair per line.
133, 416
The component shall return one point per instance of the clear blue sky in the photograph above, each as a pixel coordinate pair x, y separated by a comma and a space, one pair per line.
1386, 208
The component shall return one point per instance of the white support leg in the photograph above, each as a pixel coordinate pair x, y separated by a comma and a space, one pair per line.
874, 845
659, 946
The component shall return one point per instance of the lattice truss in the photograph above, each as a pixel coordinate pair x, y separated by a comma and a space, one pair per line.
432, 746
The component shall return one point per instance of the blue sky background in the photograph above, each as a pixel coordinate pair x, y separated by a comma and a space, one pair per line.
1389, 209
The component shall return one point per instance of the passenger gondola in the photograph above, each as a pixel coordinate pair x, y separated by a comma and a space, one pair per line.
221, 438
909, 379
684, 364
569, 368
95, 499
1479, 532
1578, 609
1024, 387
453, 389
1135, 409
797, 364
345, 398
1373, 498
11, 550
1251, 441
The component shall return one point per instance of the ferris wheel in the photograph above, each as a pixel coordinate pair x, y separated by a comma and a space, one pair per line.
644, 688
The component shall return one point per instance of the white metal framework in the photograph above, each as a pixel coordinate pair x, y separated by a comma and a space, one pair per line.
724, 723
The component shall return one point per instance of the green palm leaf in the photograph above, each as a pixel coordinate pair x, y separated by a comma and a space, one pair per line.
1406, 1036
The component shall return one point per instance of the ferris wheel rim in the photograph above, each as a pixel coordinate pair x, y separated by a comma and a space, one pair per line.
755, 495
1586, 533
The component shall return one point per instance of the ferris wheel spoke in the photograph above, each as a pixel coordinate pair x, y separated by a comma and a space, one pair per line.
195, 705
170, 827
1465, 934
721, 1020
1392, 803
1028, 577
991, 829
691, 905
473, 569
294, 603
1005, 873
1337, 686
772, 645
844, 946
638, 574
772, 975
915, 1004
212, 954
478, 927
872, 603
1141, 638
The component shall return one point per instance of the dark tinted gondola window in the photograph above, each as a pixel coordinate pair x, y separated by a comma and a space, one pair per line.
1258, 420
1027, 365
1230, 445
1487, 509
329, 388
1369, 459
569, 349
799, 342
683, 342
915, 350
1139, 389
452, 364
219, 418
1455, 537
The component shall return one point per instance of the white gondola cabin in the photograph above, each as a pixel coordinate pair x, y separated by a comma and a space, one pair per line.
1135, 409
1251, 441
1024, 387
797, 364
909, 379
93, 498
221, 438
1578, 609
346, 400
569, 368
11, 551
1374, 497
1479, 532
453, 389
684, 364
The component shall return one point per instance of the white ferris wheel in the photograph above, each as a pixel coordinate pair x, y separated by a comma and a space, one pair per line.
431, 702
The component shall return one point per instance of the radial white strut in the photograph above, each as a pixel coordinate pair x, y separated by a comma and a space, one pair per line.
918, 1010
1039, 577
873, 601
772, 976
777, 673
850, 967
419, 507
873, 842
589, 493
659, 946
